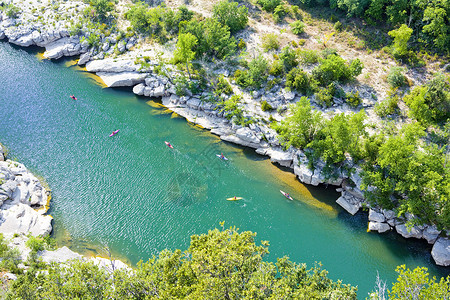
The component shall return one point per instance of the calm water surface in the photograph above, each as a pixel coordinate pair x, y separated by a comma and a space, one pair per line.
136, 196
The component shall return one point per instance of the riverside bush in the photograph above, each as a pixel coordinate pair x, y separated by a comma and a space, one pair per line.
265, 106
279, 13
353, 98
288, 58
221, 86
308, 57
256, 74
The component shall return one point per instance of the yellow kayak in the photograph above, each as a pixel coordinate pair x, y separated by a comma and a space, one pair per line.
234, 198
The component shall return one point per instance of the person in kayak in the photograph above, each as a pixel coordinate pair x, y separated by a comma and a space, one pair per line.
234, 197
222, 157
287, 195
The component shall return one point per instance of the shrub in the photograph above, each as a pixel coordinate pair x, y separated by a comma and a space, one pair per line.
308, 57
288, 58
231, 14
297, 27
338, 26
401, 37
12, 11
242, 45
299, 80
270, 42
335, 68
279, 13
396, 78
35, 244
221, 86
276, 68
387, 107
269, 5
265, 106
353, 98
324, 96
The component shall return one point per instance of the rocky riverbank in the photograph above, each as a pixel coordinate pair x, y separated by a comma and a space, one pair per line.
124, 69
23, 213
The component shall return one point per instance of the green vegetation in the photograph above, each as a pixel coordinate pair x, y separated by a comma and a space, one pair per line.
401, 37
270, 42
223, 264
395, 78
265, 106
269, 5
184, 53
231, 15
11, 10
335, 68
299, 80
428, 19
297, 27
255, 75
430, 103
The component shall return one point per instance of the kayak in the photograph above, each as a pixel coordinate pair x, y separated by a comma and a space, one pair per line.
73, 97
221, 157
114, 132
168, 145
234, 198
286, 195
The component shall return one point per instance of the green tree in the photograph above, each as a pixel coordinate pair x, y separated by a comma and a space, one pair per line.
101, 9
437, 19
231, 14
302, 126
335, 68
416, 284
401, 37
183, 53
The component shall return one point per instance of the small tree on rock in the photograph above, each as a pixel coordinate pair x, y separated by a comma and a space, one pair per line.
184, 53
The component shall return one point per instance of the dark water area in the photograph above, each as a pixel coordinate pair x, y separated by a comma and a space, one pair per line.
133, 194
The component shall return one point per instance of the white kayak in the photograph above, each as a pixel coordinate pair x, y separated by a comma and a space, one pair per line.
286, 195
221, 157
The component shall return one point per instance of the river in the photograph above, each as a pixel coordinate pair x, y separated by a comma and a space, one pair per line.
136, 196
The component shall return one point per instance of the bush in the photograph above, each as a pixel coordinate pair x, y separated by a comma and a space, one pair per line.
401, 37
353, 99
242, 45
299, 80
308, 57
335, 68
270, 42
35, 244
288, 58
396, 78
279, 13
265, 106
338, 26
221, 86
276, 68
268, 5
231, 15
12, 11
297, 27
430, 103
387, 107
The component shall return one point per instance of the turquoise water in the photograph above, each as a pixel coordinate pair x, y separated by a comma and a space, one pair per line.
136, 196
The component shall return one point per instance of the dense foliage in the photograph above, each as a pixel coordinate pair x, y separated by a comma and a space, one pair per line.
223, 264
231, 15
402, 171
429, 20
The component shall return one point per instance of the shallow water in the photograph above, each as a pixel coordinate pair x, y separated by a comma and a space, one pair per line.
136, 196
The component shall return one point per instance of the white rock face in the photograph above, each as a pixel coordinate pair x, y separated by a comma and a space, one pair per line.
60, 255
121, 79
110, 65
247, 135
60, 48
84, 58
139, 89
376, 217
378, 226
280, 157
347, 205
109, 265
414, 232
304, 173
441, 252
431, 233
21, 218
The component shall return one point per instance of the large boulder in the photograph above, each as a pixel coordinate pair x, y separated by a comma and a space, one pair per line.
139, 89
21, 218
348, 204
431, 233
24, 40
304, 173
59, 255
280, 157
121, 79
441, 252
378, 226
84, 58
376, 216
247, 135
408, 233
110, 65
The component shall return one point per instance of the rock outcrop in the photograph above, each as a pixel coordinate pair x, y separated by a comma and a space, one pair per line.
441, 252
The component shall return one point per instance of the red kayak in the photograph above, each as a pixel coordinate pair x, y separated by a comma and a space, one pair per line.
286, 195
114, 132
73, 97
168, 145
